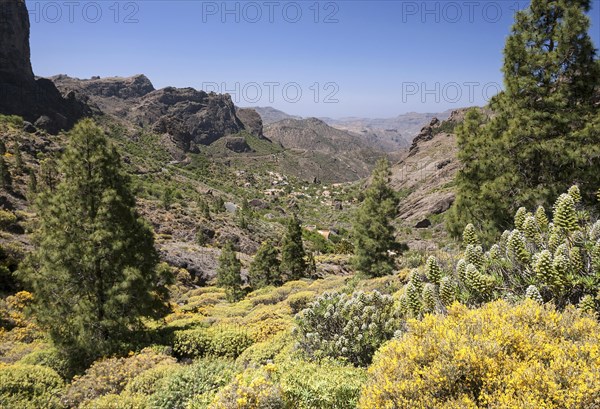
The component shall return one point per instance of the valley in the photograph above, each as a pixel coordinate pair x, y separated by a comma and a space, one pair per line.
163, 247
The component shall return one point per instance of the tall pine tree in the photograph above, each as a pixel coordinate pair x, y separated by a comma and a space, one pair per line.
373, 230
293, 256
228, 273
94, 271
5, 177
544, 135
264, 269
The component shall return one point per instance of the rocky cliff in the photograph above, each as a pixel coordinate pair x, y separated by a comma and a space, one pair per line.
15, 64
188, 117
426, 173
36, 100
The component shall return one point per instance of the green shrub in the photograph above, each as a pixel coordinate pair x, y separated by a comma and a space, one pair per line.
29, 386
352, 327
220, 341
51, 358
323, 385
7, 218
253, 389
203, 377
267, 295
149, 381
294, 384
117, 402
300, 301
12, 120
262, 352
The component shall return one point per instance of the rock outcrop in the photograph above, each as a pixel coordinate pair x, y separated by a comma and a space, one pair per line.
252, 121
189, 117
117, 87
21, 93
15, 64
426, 134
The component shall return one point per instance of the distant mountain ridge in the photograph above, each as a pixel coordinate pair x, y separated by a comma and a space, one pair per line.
330, 150
271, 115
387, 134
390, 134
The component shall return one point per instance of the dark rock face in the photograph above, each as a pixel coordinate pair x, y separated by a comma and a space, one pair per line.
426, 134
423, 224
15, 64
20, 92
251, 120
191, 117
124, 88
237, 145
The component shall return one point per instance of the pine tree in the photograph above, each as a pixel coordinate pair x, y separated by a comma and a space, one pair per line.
94, 271
228, 273
373, 230
293, 256
311, 265
48, 174
245, 214
203, 208
264, 269
545, 132
18, 158
167, 197
5, 177
219, 204
32, 184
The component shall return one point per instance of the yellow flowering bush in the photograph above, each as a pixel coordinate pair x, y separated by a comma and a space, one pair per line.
263, 352
253, 389
497, 356
29, 386
264, 330
293, 383
110, 376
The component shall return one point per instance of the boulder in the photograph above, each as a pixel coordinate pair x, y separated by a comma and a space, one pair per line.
423, 224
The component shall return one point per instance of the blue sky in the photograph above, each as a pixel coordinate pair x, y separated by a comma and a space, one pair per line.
309, 58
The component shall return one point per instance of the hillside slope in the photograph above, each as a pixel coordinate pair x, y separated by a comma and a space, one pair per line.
330, 150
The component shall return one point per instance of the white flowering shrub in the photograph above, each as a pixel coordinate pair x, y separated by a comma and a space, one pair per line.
351, 327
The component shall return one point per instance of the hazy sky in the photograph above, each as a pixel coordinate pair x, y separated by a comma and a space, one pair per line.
309, 58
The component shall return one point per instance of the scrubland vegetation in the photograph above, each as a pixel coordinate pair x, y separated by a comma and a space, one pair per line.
506, 316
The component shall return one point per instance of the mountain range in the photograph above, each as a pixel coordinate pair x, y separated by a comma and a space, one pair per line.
387, 134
